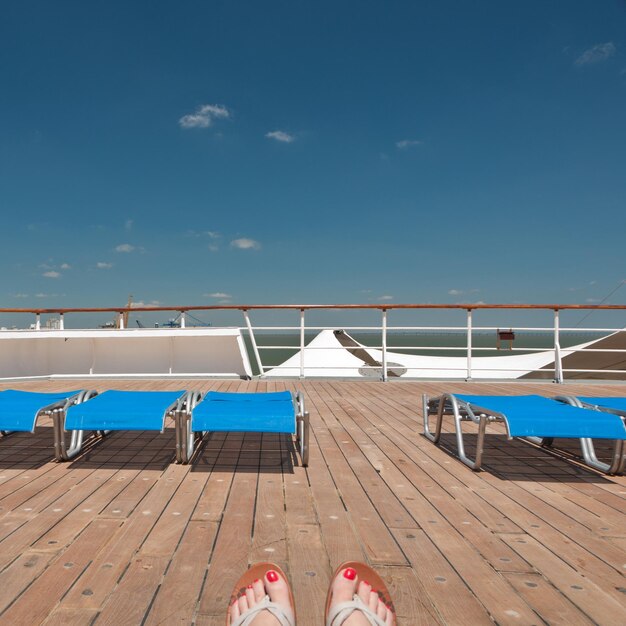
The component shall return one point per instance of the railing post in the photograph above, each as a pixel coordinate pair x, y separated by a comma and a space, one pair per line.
558, 366
61, 322
301, 343
469, 345
37, 321
182, 319
384, 344
121, 322
253, 341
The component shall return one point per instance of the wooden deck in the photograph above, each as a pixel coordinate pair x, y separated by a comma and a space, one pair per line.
122, 535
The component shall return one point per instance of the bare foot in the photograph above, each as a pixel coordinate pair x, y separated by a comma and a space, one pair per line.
272, 585
343, 588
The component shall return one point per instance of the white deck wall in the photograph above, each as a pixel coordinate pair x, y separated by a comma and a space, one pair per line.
106, 352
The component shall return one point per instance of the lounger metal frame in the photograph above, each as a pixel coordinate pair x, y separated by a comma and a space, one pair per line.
461, 411
187, 440
618, 461
63, 453
61, 450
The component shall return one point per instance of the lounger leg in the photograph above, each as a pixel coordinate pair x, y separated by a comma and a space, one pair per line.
618, 462
302, 429
426, 412
61, 451
303, 438
480, 442
450, 400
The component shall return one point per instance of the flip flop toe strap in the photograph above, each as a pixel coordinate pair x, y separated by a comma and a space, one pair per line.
284, 616
341, 612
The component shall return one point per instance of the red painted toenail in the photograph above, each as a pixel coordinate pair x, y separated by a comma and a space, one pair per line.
350, 574
272, 576
249, 586
366, 583
257, 580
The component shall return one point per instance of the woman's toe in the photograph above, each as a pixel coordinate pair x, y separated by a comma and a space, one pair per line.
250, 596
382, 610
363, 590
277, 589
344, 586
243, 604
258, 589
373, 601
234, 610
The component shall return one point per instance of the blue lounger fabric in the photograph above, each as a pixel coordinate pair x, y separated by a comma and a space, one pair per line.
122, 410
272, 412
536, 416
617, 404
18, 409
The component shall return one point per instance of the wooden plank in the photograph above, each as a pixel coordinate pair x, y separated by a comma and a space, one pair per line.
405, 589
438, 581
74, 522
595, 601
340, 540
41, 523
20, 574
309, 571
43, 595
553, 607
131, 598
373, 533
100, 578
232, 546
135, 489
176, 599
166, 533
71, 617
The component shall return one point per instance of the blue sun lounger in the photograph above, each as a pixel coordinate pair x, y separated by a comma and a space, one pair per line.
274, 412
20, 410
121, 410
614, 406
532, 417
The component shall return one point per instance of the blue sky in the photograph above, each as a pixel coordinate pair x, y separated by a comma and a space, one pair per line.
300, 152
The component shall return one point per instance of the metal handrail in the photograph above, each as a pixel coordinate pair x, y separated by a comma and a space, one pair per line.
469, 330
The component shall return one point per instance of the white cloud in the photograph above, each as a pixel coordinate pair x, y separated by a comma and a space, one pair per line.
596, 54
245, 244
101, 265
386, 298
46, 295
280, 135
211, 234
145, 305
19, 295
460, 292
218, 294
65, 266
52, 274
213, 248
408, 143
128, 224
204, 116
124, 247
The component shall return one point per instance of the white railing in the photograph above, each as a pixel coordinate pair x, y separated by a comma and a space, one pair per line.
468, 329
